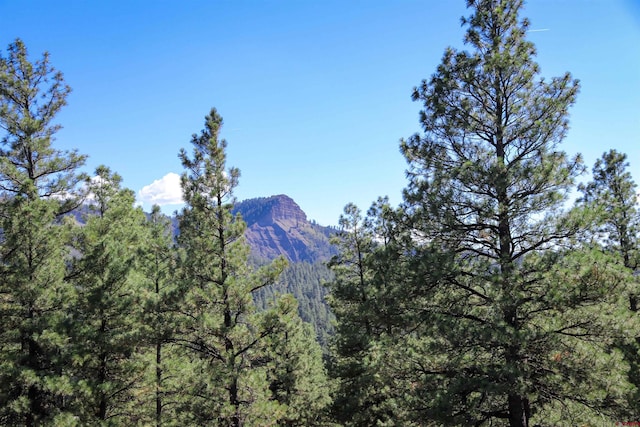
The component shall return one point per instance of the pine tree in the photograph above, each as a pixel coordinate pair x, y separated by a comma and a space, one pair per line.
31, 95
364, 298
297, 377
37, 185
611, 194
220, 326
161, 302
513, 310
349, 296
107, 320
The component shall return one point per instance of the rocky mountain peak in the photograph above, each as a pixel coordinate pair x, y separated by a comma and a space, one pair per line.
277, 226
281, 208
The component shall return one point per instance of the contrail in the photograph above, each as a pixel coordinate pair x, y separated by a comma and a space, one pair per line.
539, 31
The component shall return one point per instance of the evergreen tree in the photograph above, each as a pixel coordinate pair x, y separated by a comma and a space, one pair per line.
298, 379
31, 95
37, 185
612, 195
220, 325
349, 295
517, 320
613, 192
366, 305
161, 303
107, 320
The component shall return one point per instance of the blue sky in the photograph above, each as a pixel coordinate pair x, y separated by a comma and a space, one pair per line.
315, 95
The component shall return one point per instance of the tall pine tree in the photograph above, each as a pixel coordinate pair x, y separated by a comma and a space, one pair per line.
517, 319
220, 326
37, 185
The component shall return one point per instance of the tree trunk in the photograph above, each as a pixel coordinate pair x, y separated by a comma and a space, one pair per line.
233, 399
158, 384
101, 412
518, 411
158, 365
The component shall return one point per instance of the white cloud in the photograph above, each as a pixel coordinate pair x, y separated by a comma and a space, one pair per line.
89, 196
163, 191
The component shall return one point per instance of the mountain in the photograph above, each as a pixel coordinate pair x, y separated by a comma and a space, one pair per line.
277, 226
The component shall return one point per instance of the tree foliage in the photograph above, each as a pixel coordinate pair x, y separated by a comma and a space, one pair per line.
31, 95
296, 373
306, 282
107, 328
161, 302
505, 315
369, 306
611, 194
37, 184
220, 327
480, 300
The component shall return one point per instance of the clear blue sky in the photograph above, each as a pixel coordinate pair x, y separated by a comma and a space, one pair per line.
315, 94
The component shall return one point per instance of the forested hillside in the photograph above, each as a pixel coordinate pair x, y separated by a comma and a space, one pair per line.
307, 283
276, 226
491, 296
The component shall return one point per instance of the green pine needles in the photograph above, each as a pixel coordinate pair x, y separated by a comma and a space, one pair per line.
105, 318
499, 307
482, 300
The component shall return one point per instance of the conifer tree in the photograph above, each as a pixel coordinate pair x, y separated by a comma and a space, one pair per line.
107, 320
220, 326
514, 326
349, 297
297, 376
364, 298
611, 194
37, 185
31, 95
161, 302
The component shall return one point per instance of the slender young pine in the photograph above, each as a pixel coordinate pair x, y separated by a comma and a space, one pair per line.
161, 301
220, 326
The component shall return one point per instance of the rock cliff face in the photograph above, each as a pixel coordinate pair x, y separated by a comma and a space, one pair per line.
277, 226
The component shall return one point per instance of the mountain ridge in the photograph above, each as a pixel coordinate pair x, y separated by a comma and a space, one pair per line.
277, 226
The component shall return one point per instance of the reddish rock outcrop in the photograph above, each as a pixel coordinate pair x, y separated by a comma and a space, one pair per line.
277, 226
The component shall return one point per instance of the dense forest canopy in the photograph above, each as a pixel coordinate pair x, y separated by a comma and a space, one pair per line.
487, 298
